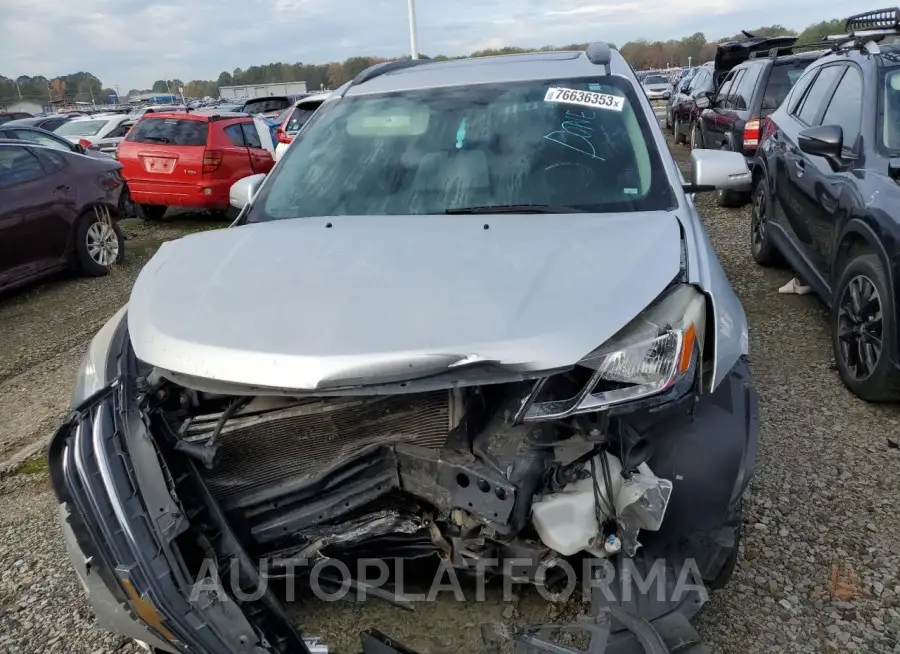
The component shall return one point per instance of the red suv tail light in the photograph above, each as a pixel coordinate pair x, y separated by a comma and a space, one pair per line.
769, 128
212, 159
751, 134
283, 137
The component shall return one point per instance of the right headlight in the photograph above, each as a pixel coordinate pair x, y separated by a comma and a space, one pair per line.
655, 351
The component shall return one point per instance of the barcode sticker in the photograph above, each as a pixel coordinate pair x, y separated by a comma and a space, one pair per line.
585, 98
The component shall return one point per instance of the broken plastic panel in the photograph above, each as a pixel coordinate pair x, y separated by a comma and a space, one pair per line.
567, 521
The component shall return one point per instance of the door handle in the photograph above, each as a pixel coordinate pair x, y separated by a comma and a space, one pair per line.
62, 188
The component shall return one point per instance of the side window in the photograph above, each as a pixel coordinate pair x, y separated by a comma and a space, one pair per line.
818, 94
236, 135
739, 77
795, 95
51, 159
845, 108
17, 166
743, 94
721, 100
119, 132
251, 136
42, 139
52, 124
697, 80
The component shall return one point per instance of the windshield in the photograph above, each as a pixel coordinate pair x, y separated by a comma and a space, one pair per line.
578, 144
655, 79
81, 127
891, 111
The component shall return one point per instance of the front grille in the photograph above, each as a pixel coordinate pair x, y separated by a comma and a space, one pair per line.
259, 451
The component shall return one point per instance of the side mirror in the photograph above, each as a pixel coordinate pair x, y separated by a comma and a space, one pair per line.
714, 170
684, 88
702, 102
824, 141
243, 190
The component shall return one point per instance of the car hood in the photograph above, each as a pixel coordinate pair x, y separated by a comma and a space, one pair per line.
315, 303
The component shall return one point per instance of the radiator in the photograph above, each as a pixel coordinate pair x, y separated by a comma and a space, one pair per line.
264, 449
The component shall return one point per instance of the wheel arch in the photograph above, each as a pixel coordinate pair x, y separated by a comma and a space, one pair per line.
859, 237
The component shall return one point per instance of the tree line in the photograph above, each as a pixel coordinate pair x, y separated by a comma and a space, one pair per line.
641, 54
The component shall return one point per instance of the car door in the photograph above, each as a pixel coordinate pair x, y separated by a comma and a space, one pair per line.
261, 160
716, 118
796, 174
35, 202
830, 211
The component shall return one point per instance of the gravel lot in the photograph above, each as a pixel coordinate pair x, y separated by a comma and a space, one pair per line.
820, 567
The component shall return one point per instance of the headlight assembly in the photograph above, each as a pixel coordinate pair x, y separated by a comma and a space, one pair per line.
652, 353
92, 373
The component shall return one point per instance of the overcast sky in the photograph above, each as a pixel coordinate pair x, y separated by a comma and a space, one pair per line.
131, 43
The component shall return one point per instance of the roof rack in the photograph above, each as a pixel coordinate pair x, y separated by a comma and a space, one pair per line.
385, 67
864, 31
880, 19
786, 50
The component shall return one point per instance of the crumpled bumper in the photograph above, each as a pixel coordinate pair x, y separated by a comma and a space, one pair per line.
122, 526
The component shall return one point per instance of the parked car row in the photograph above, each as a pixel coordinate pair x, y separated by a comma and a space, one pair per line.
819, 126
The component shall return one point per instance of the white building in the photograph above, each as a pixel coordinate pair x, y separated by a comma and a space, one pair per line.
247, 91
33, 108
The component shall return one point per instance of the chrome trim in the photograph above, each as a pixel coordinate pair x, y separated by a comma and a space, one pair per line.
585, 401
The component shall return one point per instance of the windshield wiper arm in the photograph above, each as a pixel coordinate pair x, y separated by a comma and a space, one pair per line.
158, 139
514, 208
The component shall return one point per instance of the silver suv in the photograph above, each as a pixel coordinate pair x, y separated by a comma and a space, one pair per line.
471, 320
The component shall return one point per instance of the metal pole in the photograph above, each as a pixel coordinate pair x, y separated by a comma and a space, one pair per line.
689, 62
413, 44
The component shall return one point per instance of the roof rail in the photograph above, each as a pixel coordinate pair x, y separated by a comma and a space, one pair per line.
385, 67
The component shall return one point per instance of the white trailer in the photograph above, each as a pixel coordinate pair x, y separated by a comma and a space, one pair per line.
247, 91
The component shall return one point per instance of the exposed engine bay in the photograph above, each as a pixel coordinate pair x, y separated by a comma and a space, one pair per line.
450, 473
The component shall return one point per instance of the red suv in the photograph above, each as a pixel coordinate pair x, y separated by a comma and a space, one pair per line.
189, 160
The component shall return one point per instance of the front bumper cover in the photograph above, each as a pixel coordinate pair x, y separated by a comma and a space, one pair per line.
123, 524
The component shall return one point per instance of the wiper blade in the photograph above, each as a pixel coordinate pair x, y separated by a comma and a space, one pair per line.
514, 208
157, 139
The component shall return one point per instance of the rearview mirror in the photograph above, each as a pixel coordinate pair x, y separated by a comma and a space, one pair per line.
702, 102
714, 170
243, 190
823, 141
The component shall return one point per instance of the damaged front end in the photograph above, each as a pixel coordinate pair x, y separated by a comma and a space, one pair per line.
168, 488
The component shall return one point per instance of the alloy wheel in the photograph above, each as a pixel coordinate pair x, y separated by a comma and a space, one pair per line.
101, 239
860, 327
694, 136
758, 233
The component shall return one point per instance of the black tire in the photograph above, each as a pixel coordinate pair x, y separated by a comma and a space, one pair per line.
230, 214
761, 246
152, 211
88, 227
857, 327
679, 136
696, 141
127, 208
669, 120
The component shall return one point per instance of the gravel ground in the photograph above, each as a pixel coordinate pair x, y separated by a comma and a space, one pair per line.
820, 564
